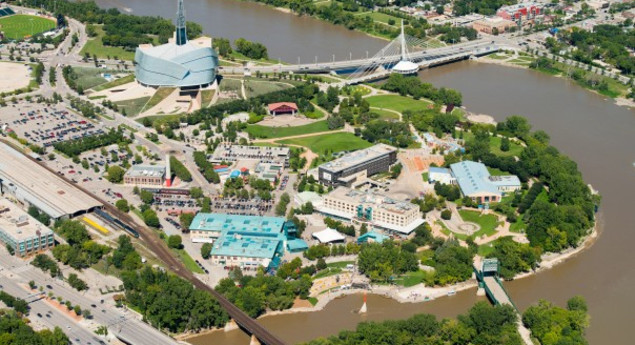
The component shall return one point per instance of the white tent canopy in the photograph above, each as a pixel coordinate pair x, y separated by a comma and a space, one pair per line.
328, 235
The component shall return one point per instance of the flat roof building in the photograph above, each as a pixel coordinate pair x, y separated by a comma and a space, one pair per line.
264, 154
476, 182
366, 162
377, 210
22, 232
496, 25
143, 174
34, 185
243, 241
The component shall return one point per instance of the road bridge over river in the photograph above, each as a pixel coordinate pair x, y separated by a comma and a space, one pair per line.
423, 57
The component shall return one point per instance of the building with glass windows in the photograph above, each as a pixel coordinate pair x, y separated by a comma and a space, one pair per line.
23, 233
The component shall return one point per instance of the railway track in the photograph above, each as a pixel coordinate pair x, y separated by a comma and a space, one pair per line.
163, 253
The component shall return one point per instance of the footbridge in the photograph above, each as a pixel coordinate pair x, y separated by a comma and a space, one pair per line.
488, 280
420, 54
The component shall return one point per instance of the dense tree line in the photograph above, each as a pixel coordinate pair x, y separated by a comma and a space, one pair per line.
122, 30
380, 262
568, 214
252, 50
18, 304
43, 262
80, 251
393, 133
322, 250
449, 191
206, 168
610, 43
169, 302
530, 197
514, 257
485, 7
348, 230
15, 331
431, 120
39, 215
555, 325
452, 263
413, 86
77, 146
180, 170
483, 324
262, 292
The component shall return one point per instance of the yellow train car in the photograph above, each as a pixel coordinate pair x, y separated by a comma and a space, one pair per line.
95, 226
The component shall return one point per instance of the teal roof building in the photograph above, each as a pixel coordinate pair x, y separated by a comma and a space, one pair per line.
244, 241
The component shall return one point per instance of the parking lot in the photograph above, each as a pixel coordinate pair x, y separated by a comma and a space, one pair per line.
253, 207
45, 125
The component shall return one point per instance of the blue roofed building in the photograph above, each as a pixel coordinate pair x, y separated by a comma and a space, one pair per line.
476, 182
244, 241
372, 237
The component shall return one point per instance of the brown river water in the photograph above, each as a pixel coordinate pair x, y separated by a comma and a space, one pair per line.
596, 133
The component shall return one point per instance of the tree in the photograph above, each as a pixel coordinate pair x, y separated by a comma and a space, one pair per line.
206, 250
446, 214
186, 220
321, 264
151, 219
115, 174
146, 197
504, 144
32, 284
175, 241
122, 205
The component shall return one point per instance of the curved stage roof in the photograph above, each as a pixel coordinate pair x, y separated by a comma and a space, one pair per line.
186, 65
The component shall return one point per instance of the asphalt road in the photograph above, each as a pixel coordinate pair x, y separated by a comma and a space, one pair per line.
120, 322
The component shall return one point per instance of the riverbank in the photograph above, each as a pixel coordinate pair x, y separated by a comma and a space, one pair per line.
620, 101
421, 293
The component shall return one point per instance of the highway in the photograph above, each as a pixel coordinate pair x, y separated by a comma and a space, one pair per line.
122, 323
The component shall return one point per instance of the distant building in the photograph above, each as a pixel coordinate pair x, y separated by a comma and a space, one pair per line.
269, 171
148, 175
374, 209
357, 165
372, 237
522, 11
22, 232
244, 241
264, 154
476, 182
282, 108
494, 25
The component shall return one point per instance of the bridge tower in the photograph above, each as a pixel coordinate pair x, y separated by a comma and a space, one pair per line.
181, 31
404, 66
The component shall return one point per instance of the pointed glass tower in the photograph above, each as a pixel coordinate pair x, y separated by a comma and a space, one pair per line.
181, 30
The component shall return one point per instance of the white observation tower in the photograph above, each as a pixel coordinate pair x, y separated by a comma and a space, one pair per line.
404, 66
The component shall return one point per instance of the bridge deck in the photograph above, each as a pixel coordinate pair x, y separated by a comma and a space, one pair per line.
497, 290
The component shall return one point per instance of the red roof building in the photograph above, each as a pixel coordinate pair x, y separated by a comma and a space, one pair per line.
282, 108
523, 11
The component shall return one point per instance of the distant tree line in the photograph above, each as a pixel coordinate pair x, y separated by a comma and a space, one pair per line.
77, 146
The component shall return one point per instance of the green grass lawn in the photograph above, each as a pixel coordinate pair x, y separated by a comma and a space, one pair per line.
227, 84
89, 77
94, 46
396, 102
188, 261
335, 142
257, 88
132, 106
487, 222
498, 56
514, 148
385, 114
411, 278
159, 96
117, 82
496, 172
259, 131
383, 18
19, 26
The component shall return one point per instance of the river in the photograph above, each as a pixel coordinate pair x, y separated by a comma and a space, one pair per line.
596, 133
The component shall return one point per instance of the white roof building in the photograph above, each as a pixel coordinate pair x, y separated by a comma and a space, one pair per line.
328, 235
